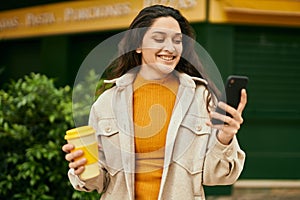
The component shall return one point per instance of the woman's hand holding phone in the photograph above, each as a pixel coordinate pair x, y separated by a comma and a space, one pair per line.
227, 117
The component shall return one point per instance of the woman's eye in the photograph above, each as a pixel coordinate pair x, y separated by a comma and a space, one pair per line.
159, 40
177, 40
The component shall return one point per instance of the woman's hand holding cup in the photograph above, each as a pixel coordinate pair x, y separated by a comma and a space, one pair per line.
82, 151
73, 157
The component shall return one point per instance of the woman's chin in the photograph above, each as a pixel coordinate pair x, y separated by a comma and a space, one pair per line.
165, 69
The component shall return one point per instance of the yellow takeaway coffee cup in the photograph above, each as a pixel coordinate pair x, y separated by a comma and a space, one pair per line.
84, 138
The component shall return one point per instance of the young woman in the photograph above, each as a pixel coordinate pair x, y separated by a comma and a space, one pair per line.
155, 137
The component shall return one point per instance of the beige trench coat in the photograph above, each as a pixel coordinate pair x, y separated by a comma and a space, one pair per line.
193, 155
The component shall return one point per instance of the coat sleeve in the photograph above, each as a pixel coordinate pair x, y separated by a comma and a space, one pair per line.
99, 182
96, 183
223, 163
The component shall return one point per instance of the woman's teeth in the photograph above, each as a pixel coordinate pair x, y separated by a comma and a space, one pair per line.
167, 58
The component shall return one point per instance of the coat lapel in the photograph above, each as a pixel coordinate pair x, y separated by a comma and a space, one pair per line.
185, 95
123, 112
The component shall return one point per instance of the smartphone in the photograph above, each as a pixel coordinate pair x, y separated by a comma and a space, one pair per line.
232, 96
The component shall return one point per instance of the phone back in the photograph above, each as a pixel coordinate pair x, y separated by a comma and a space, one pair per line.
233, 89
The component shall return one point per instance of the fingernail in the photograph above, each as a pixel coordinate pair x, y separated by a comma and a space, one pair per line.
79, 153
83, 160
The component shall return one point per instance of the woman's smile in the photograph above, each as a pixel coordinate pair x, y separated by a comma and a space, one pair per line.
167, 57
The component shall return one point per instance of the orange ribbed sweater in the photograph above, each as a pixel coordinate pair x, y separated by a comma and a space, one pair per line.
153, 103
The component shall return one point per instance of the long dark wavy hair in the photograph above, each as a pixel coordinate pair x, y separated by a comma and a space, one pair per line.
189, 62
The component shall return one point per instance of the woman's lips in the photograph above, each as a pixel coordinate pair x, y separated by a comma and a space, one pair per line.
167, 57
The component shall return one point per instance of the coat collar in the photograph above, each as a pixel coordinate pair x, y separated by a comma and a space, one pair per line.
129, 77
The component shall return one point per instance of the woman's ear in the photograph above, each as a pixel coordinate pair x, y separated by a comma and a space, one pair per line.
138, 50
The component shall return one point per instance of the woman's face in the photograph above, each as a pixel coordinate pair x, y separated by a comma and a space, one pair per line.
161, 48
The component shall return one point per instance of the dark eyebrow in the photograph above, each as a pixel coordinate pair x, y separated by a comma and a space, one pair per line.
159, 32
178, 34
163, 33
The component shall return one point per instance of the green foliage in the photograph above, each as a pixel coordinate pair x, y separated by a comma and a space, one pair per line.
85, 93
34, 116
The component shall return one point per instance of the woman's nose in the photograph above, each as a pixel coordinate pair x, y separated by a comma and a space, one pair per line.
169, 46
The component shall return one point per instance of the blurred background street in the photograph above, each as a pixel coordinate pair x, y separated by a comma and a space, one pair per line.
262, 190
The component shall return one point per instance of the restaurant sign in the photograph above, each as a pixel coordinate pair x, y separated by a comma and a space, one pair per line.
85, 16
